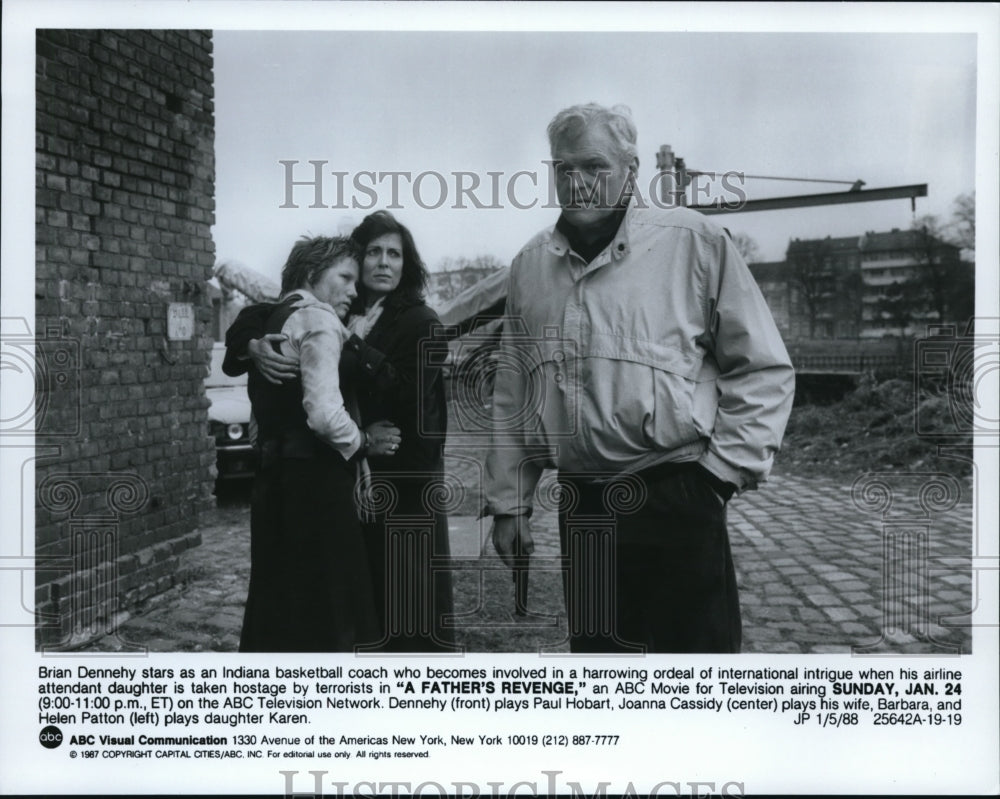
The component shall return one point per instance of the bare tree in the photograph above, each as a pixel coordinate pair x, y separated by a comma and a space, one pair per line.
747, 247
944, 285
809, 268
938, 286
484, 263
900, 304
935, 262
963, 223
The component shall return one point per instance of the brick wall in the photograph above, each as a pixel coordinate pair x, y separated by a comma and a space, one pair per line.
124, 204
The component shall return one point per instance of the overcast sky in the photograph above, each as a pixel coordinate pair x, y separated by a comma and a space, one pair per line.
889, 109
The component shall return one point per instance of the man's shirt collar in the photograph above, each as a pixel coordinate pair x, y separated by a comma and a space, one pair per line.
586, 247
614, 232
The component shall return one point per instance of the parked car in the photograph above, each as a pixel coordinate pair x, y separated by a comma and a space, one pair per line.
229, 421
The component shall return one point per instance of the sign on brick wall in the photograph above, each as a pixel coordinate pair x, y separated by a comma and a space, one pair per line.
180, 321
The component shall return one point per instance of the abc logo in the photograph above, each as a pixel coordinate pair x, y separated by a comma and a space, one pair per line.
50, 737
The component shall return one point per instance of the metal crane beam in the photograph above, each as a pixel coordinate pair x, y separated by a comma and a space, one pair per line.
805, 200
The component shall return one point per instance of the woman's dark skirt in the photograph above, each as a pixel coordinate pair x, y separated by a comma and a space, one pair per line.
310, 588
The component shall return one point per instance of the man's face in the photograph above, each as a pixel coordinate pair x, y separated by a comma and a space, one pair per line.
336, 285
590, 176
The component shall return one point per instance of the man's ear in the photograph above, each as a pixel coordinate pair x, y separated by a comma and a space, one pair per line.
633, 166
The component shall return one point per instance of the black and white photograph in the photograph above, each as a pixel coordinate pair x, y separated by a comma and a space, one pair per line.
476, 393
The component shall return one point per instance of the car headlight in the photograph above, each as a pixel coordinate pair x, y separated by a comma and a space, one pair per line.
235, 431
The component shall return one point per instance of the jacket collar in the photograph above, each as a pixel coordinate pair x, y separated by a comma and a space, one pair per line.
305, 296
617, 244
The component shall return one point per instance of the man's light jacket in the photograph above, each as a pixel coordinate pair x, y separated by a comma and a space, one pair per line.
662, 349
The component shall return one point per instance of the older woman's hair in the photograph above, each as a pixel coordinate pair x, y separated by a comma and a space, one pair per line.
413, 281
569, 123
311, 257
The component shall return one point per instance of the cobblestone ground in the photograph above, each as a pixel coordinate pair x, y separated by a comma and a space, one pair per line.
885, 571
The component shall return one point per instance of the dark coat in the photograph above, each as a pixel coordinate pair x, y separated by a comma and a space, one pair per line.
411, 393
404, 540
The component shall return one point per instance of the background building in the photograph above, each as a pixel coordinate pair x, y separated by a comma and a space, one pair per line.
447, 284
908, 278
874, 285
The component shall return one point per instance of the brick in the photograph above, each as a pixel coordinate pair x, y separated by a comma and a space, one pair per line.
56, 219
56, 182
107, 228
67, 202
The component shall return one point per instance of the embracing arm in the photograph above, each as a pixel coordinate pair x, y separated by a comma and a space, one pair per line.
248, 325
248, 344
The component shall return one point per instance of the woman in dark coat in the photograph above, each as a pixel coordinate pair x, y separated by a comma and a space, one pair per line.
310, 590
407, 531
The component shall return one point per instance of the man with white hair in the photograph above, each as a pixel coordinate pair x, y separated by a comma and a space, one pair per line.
640, 359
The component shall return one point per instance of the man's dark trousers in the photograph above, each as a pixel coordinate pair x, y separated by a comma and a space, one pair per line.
649, 568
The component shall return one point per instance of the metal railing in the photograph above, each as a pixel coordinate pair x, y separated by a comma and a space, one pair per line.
847, 363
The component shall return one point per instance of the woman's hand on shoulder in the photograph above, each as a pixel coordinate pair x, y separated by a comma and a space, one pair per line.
275, 367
